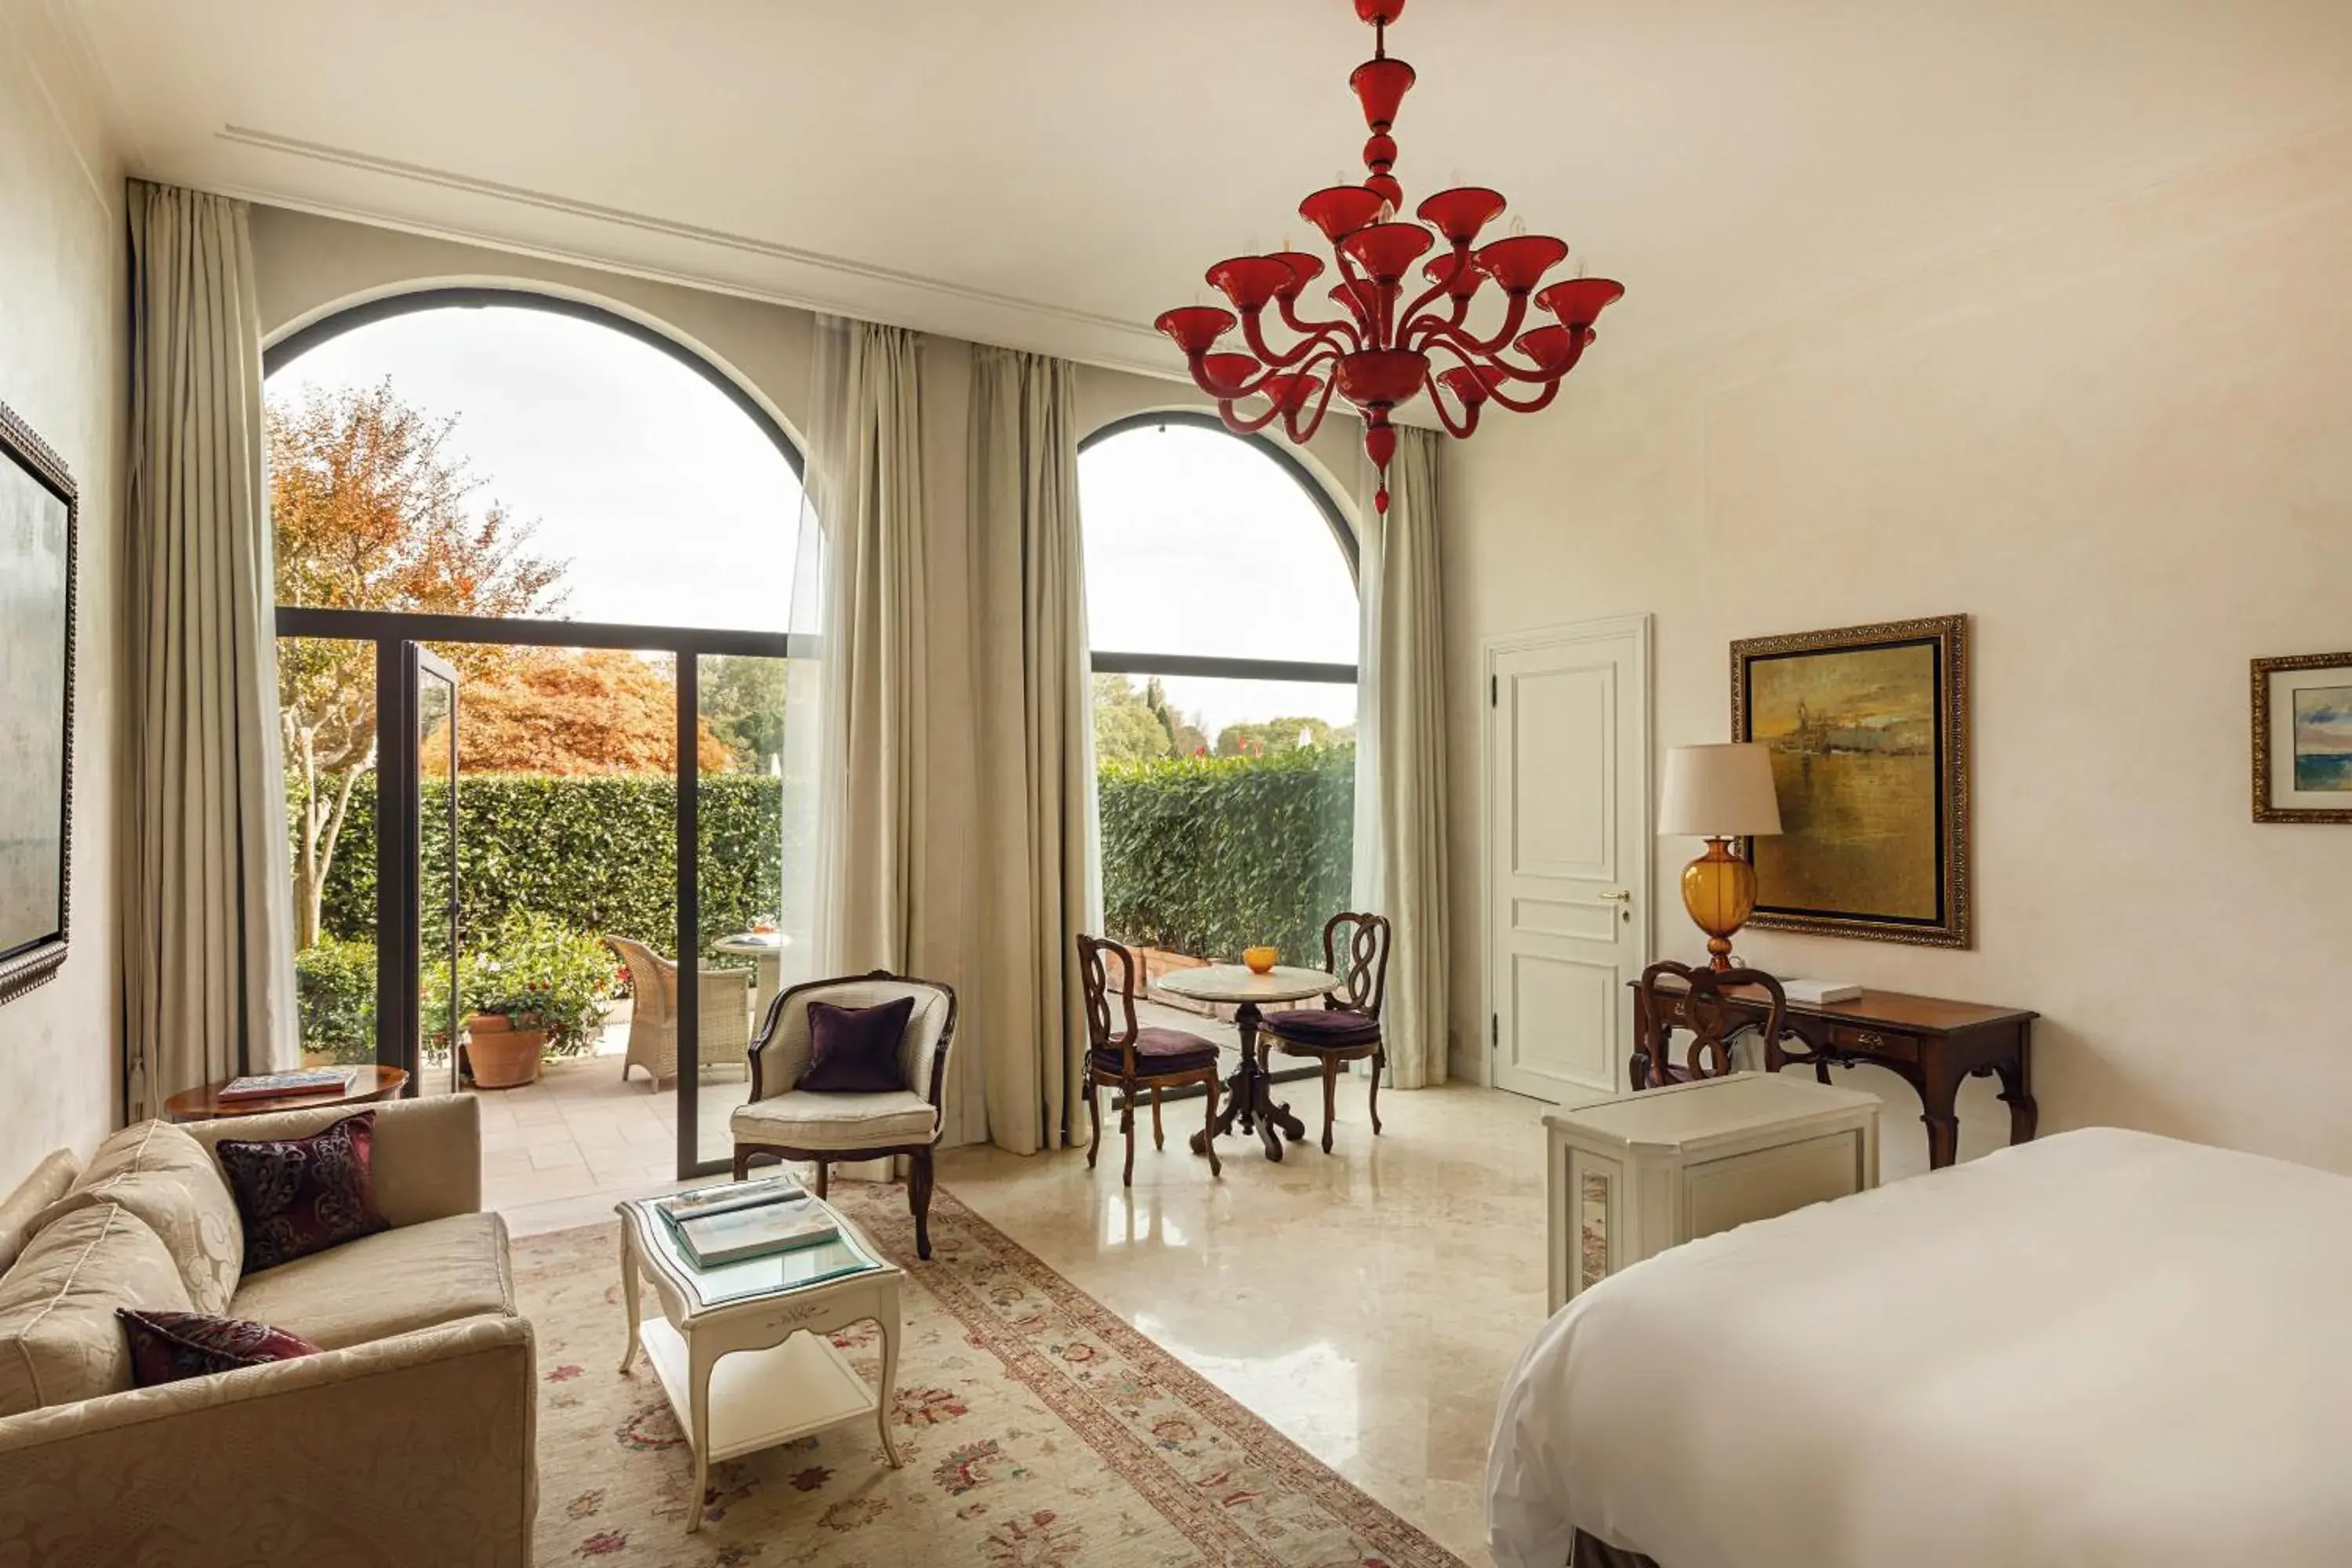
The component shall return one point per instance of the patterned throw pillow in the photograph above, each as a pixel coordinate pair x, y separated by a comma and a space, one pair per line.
301, 1195
855, 1050
168, 1346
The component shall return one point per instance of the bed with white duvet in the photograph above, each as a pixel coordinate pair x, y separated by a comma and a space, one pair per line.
2101, 1349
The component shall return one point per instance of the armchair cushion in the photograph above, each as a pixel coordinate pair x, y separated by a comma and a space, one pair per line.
168, 1180
848, 1123
855, 1050
1158, 1051
168, 1346
58, 1339
1317, 1027
302, 1196
390, 1283
784, 1050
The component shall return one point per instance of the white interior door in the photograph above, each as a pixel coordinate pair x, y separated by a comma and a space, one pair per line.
1568, 854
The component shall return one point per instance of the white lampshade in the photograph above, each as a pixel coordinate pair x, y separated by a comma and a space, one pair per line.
1718, 792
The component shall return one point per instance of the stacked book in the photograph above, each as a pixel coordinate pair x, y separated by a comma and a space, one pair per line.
278, 1085
748, 1219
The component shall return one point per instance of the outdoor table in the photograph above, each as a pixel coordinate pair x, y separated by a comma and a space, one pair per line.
767, 947
1249, 1095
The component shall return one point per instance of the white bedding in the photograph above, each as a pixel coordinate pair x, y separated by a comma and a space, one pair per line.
2102, 1350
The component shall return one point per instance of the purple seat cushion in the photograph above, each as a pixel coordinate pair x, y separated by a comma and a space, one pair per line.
1318, 1026
855, 1050
1158, 1051
300, 1195
168, 1346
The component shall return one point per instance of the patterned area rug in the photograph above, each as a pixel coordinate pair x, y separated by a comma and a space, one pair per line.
1038, 1430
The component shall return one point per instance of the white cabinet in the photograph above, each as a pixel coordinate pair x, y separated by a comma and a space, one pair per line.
1633, 1175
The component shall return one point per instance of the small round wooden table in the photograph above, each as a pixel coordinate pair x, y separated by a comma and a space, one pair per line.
369, 1083
768, 948
1249, 1093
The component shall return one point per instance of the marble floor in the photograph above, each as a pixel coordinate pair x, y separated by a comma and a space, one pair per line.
1367, 1302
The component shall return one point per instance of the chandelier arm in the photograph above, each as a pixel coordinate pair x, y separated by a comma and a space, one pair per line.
1247, 388
1302, 431
1368, 333
1247, 425
1530, 405
1512, 319
1258, 345
1412, 311
1330, 331
1469, 421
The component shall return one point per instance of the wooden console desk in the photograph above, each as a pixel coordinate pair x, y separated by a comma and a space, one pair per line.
1931, 1043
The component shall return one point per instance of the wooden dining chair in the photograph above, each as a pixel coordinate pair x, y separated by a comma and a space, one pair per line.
1347, 1028
1132, 1059
1698, 1007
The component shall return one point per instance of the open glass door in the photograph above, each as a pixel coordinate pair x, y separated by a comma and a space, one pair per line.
427, 1043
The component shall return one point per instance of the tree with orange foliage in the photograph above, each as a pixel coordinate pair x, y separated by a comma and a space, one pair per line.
372, 509
578, 710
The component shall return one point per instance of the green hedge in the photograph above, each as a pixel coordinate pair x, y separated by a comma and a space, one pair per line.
1200, 855
597, 853
1210, 854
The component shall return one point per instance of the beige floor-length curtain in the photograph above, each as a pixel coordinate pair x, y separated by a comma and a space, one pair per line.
208, 976
1033, 722
866, 486
1401, 814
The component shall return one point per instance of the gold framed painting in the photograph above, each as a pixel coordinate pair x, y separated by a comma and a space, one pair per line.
1868, 728
2303, 738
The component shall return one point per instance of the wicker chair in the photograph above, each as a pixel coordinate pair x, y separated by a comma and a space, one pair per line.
724, 1008
782, 1121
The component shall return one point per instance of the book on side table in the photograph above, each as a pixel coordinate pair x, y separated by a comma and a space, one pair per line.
726, 1225
275, 1085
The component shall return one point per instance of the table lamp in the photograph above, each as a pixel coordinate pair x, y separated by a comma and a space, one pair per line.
1718, 792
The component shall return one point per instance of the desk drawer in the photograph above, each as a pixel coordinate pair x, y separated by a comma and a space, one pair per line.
1874, 1043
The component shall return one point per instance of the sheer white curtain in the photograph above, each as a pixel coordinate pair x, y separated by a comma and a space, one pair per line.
208, 967
1399, 862
858, 737
1033, 721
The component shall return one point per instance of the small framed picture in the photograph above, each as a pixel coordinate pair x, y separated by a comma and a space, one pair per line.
2303, 738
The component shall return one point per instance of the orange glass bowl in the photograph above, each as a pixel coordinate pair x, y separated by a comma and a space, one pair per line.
1260, 959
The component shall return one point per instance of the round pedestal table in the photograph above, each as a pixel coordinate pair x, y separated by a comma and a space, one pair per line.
1249, 1098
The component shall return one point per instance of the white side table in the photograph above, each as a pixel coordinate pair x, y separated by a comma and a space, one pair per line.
1635, 1174
744, 1350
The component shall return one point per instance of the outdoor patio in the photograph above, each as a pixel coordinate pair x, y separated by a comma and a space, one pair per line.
562, 1151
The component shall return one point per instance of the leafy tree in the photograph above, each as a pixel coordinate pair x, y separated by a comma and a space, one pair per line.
1126, 727
577, 710
744, 705
1275, 736
374, 510
1184, 737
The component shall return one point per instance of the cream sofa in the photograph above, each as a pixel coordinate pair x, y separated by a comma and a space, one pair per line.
409, 1441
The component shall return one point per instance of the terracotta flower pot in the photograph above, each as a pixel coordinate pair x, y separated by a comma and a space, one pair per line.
487, 1024
506, 1058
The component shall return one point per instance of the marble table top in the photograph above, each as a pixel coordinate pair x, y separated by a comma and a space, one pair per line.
1233, 983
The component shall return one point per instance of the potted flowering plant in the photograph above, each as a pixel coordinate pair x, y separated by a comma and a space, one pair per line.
504, 1035
542, 989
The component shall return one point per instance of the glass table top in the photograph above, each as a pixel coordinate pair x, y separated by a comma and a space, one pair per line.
749, 1279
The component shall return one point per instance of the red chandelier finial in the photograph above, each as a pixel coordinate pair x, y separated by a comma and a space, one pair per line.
1380, 352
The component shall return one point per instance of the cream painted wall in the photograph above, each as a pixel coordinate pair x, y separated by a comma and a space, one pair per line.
308, 267
2124, 447
63, 369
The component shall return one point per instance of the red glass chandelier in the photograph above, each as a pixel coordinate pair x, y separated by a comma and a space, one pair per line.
1379, 352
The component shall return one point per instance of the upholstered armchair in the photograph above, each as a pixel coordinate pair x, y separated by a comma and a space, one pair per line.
783, 1121
722, 1005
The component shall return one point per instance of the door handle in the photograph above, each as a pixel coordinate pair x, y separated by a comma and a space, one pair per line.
1617, 896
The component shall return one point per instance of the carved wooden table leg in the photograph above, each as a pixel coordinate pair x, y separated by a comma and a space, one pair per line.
2016, 1093
1940, 1088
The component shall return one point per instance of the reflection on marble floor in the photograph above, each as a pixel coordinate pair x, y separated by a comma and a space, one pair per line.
1368, 1302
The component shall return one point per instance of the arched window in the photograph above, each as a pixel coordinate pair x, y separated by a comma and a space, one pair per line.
534, 566
1222, 614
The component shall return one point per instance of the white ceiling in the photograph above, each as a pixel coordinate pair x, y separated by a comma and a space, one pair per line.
1052, 174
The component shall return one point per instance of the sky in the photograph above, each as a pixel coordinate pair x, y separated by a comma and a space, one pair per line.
672, 508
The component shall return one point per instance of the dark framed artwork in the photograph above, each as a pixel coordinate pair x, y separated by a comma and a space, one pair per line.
37, 514
1869, 732
2303, 738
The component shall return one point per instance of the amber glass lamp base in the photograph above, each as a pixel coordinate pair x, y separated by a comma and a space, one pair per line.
1719, 891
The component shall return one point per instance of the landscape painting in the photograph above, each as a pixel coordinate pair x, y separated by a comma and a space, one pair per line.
36, 519
1868, 732
2322, 739
2303, 738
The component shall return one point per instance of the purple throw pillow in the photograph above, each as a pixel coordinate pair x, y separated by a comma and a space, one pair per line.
855, 1050
168, 1346
301, 1195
